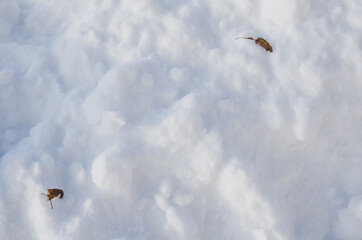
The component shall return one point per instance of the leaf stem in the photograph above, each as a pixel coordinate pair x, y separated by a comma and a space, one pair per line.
250, 38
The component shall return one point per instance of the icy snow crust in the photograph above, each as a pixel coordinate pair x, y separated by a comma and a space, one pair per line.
157, 124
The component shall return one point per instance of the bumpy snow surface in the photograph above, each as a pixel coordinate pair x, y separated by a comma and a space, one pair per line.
158, 124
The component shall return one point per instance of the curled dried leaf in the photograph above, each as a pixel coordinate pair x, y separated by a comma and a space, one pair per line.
52, 193
260, 41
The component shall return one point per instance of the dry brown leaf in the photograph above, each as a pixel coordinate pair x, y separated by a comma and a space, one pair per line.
260, 41
52, 193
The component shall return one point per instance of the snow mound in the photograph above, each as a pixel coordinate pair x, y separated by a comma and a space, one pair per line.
112, 173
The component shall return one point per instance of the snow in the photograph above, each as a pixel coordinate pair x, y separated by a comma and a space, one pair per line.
158, 124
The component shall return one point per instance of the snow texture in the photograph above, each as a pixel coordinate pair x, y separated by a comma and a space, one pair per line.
158, 124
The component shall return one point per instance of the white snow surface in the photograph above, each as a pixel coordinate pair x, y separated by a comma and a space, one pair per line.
158, 124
